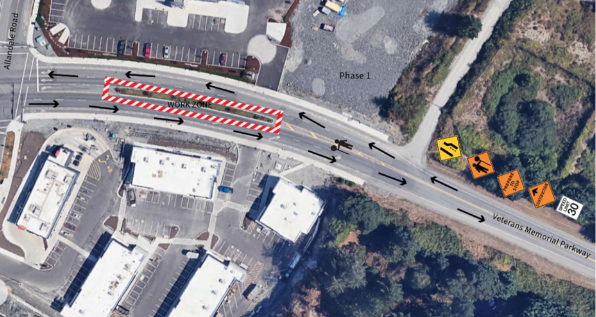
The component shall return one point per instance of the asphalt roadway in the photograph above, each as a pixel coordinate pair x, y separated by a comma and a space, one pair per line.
76, 94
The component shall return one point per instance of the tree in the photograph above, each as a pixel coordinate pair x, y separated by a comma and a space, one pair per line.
545, 307
342, 271
395, 243
462, 307
538, 133
417, 278
363, 211
468, 27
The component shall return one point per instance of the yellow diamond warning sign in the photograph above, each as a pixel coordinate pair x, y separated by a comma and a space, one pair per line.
448, 148
542, 194
511, 183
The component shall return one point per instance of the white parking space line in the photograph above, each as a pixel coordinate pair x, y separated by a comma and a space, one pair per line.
94, 37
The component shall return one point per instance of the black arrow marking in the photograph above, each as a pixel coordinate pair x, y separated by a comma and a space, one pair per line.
258, 136
402, 180
130, 74
51, 74
331, 159
179, 120
534, 191
434, 179
371, 145
303, 116
480, 219
53, 103
210, 85
113, 108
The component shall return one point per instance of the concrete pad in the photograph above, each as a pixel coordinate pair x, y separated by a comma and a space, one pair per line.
101, 4
261, 48
276, 31
236, 15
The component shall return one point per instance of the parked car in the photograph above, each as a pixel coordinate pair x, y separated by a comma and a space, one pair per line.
132, 200
222, 59
147, 50
76, 163
78, 157
327, 27
121, 47
70, 226
166, 52
225, 189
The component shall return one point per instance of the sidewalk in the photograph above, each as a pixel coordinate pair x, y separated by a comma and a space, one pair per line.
416, 149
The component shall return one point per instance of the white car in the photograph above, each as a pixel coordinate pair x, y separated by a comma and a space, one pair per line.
166, 52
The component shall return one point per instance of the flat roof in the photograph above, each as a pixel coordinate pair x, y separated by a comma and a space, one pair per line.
107, 282
292, 211
46, 199
174, 173
207, 289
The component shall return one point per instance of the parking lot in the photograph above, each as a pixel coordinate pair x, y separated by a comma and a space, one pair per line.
57, 11
143, 279
95, 200
189, 215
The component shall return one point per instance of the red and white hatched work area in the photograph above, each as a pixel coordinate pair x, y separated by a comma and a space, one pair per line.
185, 113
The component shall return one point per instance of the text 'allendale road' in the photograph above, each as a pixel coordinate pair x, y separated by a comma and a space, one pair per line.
545, 237
10, 40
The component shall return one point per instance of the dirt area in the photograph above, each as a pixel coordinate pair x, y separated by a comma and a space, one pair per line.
352, 238
167, 142
111, 223
7, 155
481, 242
31, 143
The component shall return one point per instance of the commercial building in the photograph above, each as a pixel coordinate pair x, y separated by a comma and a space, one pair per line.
107, 282
45, 200
292, 211
174, 173
207, 289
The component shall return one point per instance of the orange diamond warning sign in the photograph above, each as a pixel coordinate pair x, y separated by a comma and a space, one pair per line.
511, 183
542, 194
480, 165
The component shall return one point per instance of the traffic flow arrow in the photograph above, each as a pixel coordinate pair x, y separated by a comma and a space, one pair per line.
480, 219
331, 159
402, 180
53, 103
303, 116
258, 136
113, 108
52, 75
434, 180
130, 74
371, 145
179, 120
210, 85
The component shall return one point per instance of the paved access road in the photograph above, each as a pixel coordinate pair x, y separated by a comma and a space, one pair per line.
298, 136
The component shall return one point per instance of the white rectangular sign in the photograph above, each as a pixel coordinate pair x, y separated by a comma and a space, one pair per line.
569, 207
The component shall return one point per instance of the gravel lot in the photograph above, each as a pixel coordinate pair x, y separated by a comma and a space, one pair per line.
376, 38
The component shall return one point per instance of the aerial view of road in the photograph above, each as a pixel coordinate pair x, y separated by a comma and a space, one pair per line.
156, 166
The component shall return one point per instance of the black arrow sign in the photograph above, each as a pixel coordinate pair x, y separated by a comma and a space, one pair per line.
434, 179
402, 180
130, 74
258, 136
480, 219
53, 103
179, 120
371, 145
52, 75
331, 159
113, 108
302, 117
534, 191
210, 85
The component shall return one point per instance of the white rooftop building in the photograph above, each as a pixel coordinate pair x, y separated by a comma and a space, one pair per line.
293, 210
107, 282
207, 289
48, 195
174, 173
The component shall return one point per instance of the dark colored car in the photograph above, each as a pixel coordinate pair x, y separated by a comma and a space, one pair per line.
70, 226
222, 59
147, 50
76, 163
225, 189
121, 47
78, 157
